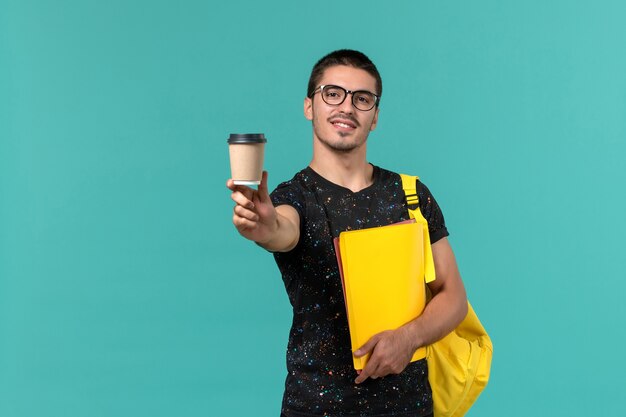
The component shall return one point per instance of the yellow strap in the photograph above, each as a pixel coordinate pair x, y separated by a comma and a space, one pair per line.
408, 185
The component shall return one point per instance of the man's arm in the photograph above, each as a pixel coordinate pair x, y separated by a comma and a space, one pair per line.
276, 229
391, 351
448, 306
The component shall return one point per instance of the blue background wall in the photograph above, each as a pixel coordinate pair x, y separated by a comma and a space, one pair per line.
124, 288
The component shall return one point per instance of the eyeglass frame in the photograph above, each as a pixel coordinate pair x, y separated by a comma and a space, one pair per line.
321, 89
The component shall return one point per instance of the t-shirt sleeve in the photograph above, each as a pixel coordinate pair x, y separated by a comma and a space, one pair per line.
288, 193
431, 212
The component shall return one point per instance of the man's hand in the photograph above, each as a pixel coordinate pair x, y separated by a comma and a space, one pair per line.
256, 218
254, 214
391, 351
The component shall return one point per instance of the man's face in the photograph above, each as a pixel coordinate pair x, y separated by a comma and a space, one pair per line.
342, 127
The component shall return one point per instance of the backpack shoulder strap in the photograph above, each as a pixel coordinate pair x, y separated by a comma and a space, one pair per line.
412, 200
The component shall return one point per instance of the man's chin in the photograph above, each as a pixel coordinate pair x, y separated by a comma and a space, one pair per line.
345, 150
341, 146
340, 142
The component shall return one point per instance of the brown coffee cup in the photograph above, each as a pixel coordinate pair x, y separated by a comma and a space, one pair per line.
246, 157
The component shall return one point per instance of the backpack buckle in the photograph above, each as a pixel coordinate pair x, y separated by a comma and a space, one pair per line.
412, 200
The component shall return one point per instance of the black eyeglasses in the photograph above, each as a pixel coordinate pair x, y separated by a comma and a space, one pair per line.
335, 95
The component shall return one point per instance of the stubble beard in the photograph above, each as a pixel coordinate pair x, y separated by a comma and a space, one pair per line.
338, 146
342, 146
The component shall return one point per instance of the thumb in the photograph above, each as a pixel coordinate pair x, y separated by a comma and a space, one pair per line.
367, 347
262, 190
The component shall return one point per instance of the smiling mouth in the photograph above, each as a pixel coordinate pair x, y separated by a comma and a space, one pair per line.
343, 124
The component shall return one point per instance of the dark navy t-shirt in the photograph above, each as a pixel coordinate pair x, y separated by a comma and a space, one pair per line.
320, 373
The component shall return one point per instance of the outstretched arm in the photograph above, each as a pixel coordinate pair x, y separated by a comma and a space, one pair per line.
277, 229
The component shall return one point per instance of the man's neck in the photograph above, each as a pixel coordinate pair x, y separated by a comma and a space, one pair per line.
350, 170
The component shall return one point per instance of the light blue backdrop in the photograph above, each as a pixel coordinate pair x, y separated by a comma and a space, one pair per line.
124, 288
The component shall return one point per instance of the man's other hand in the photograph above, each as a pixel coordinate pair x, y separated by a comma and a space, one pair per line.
390, 352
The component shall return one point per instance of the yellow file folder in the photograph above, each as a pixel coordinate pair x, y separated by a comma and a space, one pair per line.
382, 271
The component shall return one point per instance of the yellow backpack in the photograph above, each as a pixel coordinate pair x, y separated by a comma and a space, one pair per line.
458, 364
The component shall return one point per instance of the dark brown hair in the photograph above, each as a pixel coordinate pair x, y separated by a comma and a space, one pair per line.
347, 57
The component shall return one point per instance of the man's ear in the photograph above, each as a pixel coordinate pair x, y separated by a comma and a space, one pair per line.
308, 108
374, 121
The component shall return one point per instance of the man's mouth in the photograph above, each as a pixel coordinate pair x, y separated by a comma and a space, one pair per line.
343, 123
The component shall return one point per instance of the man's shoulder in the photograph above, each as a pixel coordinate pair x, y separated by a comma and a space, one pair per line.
296, 191
297, 182
386, 176
387, 173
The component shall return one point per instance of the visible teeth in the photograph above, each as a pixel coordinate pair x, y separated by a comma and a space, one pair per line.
342, 125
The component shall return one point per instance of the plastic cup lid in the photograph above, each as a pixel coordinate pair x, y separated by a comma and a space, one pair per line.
236, 138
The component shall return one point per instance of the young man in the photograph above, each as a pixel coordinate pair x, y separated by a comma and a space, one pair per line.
340, 191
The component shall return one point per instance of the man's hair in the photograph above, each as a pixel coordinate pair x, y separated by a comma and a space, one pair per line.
347, 57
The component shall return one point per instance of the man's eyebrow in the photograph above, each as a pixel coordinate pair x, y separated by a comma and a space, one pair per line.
373, 91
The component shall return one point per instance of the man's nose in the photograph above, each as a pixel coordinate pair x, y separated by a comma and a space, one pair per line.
347, 106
